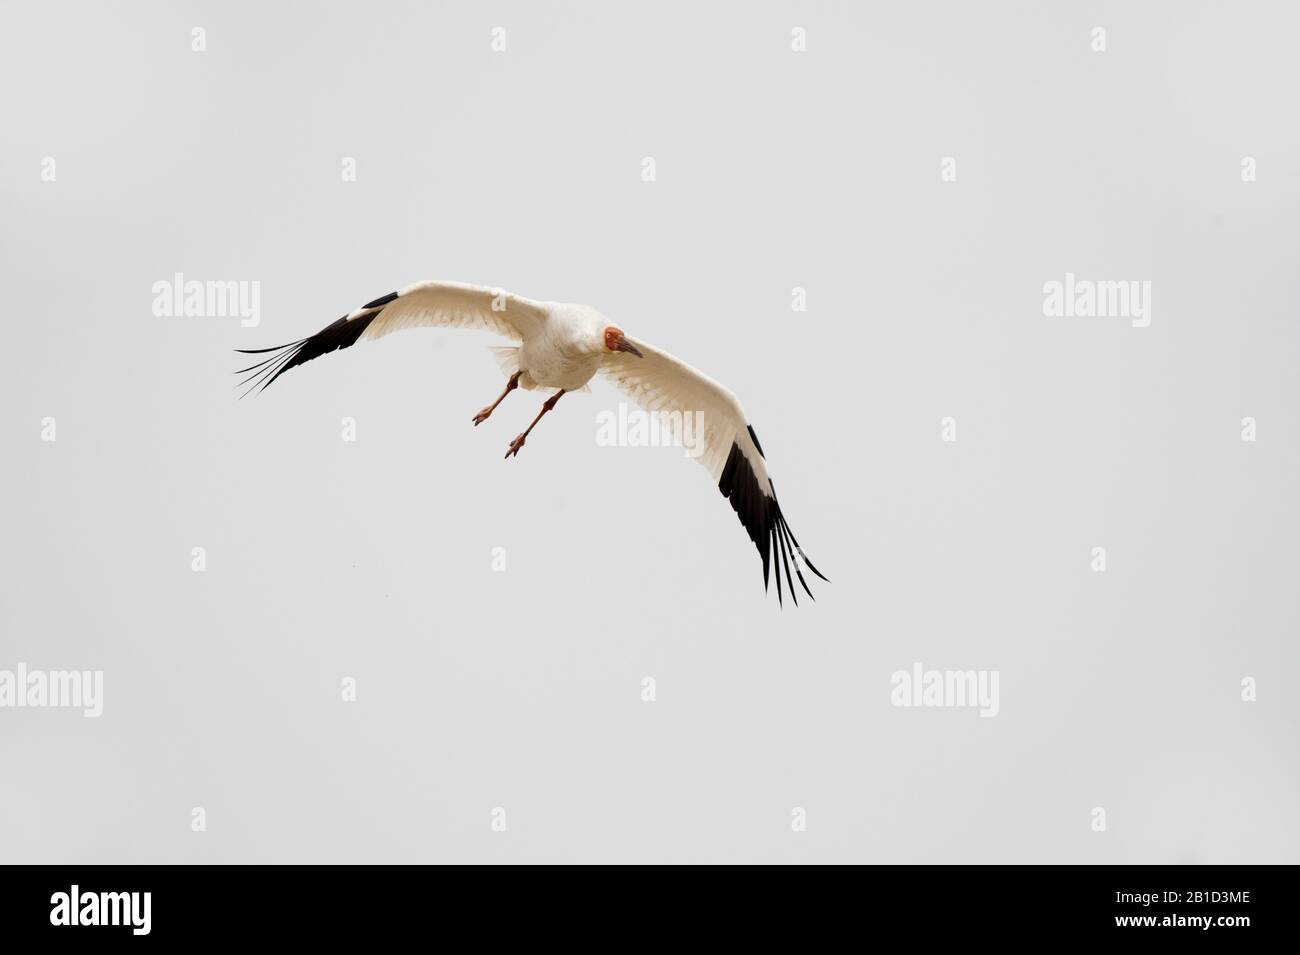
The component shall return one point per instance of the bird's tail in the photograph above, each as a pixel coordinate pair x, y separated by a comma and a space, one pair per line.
507, 357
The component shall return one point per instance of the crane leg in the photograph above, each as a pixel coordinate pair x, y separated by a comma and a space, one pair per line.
486, 413
547, 405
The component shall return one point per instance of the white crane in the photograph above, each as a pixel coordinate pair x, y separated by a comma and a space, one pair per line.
563, 346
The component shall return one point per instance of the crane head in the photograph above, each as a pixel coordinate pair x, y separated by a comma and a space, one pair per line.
615, 341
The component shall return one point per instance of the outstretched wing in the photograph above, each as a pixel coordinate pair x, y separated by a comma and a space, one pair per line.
425, 304
662, 384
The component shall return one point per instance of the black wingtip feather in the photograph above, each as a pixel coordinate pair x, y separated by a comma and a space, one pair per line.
795, 554
340, 334
381, 301
799, 550
785, 563
263, 351
776, 569
761, 516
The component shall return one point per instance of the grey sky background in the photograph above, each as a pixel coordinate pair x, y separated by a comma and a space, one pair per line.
522, 689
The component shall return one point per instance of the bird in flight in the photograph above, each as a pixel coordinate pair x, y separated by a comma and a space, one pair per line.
562, 347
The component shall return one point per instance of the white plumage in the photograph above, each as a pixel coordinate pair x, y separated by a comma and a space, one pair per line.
561, 347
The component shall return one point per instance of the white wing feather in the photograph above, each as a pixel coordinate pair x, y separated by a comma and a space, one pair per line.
425, 304
455, 305
660, 382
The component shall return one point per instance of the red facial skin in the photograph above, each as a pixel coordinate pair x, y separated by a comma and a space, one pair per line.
613, 338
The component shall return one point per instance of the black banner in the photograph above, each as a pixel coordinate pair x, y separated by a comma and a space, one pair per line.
1149, 905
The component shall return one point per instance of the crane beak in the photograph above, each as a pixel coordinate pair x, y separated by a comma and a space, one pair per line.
627, 346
